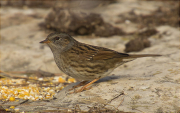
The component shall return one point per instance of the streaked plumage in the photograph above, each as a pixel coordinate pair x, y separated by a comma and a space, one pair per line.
85, 62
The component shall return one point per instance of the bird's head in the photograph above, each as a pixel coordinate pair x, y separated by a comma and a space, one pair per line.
59, 41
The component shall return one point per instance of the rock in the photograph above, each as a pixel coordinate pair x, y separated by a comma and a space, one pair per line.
80, 23
29, 3
137, 44
141, 42
65, 4
162, 15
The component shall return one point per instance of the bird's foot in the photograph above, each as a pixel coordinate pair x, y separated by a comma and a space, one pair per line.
84, 87
78, 85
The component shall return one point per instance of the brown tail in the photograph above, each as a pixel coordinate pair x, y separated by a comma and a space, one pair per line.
142, 55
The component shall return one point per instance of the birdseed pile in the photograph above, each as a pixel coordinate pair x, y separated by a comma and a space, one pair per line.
32, 87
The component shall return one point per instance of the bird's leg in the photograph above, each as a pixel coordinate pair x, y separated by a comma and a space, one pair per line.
78, 85
85, 87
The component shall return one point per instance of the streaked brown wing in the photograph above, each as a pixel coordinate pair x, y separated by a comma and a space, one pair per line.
104, 54
89, 52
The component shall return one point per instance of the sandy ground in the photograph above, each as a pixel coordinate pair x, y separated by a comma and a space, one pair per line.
149, 84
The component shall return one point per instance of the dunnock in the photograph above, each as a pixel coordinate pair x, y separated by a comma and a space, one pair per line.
85, 62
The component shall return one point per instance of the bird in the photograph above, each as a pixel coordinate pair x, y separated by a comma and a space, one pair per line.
86, 62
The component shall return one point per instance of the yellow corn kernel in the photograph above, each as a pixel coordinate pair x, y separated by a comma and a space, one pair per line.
12, 107
36, 98
61, 87
48, 96
4, 97
21, 96
70, 80
11, 99
26, 93
7, 109
61, 80
15, 93
19, 90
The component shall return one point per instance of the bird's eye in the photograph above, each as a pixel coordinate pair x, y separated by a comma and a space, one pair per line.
56, 38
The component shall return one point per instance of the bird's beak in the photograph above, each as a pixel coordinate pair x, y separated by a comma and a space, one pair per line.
45, 41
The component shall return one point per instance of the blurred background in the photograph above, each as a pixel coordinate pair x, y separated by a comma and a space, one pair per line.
123, 25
